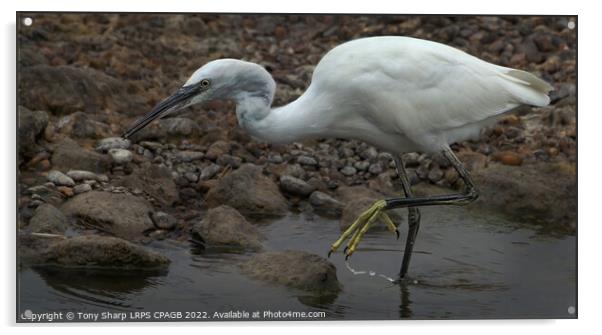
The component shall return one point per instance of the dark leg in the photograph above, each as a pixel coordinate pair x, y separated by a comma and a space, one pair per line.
469, 195
413, 217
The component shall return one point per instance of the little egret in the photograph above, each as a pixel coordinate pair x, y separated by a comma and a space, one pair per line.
399, 94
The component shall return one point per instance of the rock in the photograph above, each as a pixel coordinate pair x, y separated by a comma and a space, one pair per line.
326, 205
48, 219
541, 192
435, 174
109, 143
163, 220
60, 179
123, 215
249, 191
295, 186
375, 169
82, 125
228, 160
189, 156
68, 155
349, 193
296, 269
67, 191
79, 175
209, 171
69, 89
31, 127
451, 175
91, 252
82, 188
46, 193
508, 158
361, 165
306, 160
225, 227
369, 154
154, 180
348, 171
176, 127
473, 161
121, 156
217, 149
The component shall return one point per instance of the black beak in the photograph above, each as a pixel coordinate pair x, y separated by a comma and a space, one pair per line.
178, 99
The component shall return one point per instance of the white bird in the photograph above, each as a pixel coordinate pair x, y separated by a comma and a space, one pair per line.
399, 94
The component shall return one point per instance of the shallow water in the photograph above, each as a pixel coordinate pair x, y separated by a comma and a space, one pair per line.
465, 265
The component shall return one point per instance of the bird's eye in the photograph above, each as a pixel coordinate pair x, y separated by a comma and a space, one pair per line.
205, 83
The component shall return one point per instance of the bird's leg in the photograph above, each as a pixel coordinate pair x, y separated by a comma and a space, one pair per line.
413, 216
469, 195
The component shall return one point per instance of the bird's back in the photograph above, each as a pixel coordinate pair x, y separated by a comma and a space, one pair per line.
423, 92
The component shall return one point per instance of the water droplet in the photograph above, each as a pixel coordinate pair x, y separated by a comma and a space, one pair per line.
27, 21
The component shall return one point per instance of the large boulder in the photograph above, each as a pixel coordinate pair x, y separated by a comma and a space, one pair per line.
48, 219
90, 252
68, 155
154, 180
544, 193
249, 191
31, 126
120, 214
69, 89
223, 226
297, 269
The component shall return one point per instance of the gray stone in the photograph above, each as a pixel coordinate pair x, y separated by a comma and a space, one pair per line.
122, 215
82, 188
59, 178
375, 169
306, 160
361, 165
369, 154
48, 219
229, 160
109, 143
292, 268
154, 180
79, 175
295, 186
325, 204
163, 220
31, 127
209, 171
435, 174
225, 227
348, 171
189, 156
68, 155
121, 156
249, 191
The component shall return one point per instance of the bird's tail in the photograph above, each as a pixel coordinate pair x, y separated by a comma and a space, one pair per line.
526, 88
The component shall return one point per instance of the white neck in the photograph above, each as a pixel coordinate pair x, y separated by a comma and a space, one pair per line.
281, 125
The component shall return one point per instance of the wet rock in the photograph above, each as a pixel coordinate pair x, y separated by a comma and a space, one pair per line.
48, 219
82, 188
297, 269
295, 186
91, 251
163, 220
249, 191
121, 156
326, 205
60, 179
541, 192
225, 227
123, 215
31, 127
68, 155
154, 180
69, 89
109, 143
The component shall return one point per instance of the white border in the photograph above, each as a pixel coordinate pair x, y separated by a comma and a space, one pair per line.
590, 58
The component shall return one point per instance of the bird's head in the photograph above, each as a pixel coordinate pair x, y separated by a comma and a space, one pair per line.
222, 79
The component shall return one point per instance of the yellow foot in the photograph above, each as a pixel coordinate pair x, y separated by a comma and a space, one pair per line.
361, 225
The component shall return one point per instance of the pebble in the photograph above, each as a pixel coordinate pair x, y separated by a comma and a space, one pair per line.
306, 160
189, 156
209, 171
163, 220
508, 158
229, 160
59, 178
79, 175
348, 171
276, 159
121, 156
82, 188
451, 176
369, 154
362, 165
375, 169
191, 177
435, 174
68, 191
295, 186
109, 143
411, 159
323, 200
